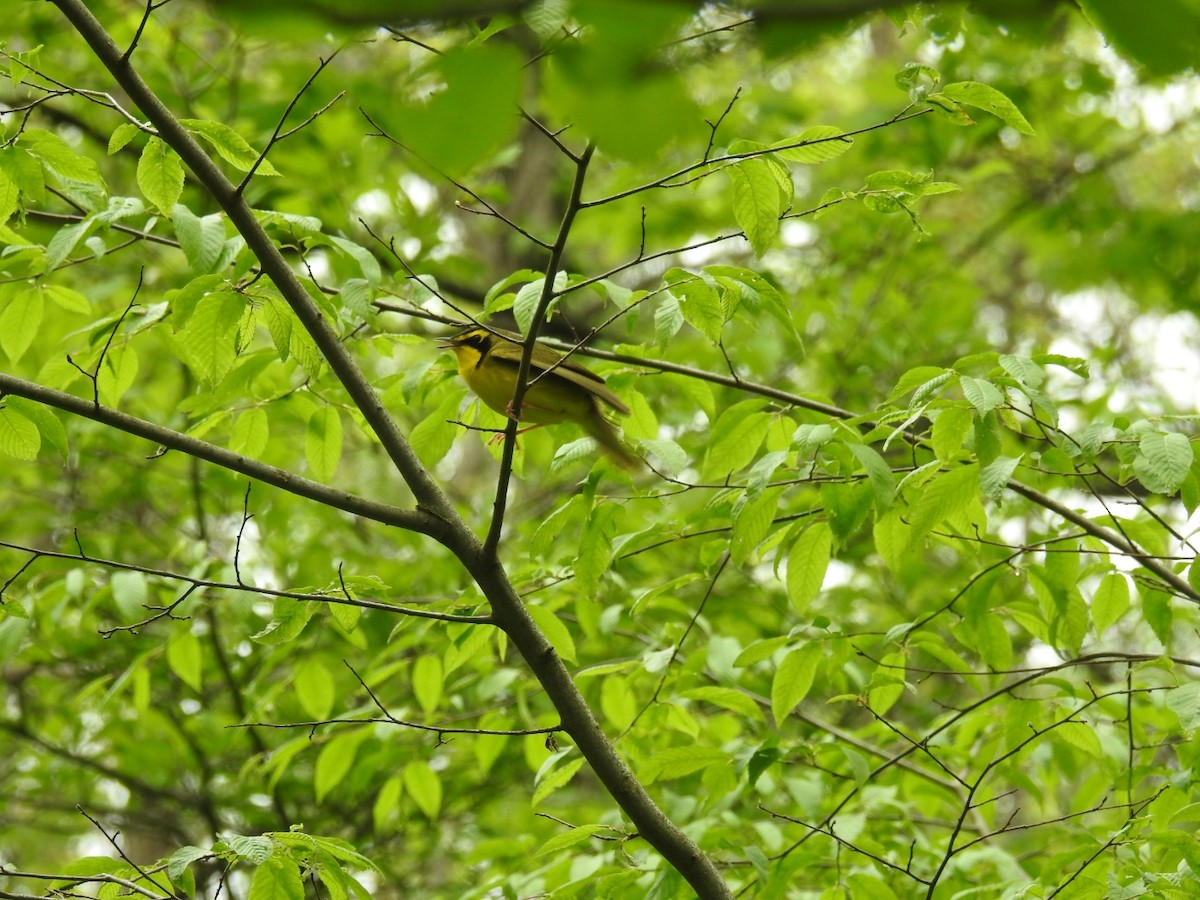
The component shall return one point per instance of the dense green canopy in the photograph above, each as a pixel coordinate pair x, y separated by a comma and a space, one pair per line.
902, 301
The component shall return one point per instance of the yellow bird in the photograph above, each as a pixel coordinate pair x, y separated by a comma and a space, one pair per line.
488, 362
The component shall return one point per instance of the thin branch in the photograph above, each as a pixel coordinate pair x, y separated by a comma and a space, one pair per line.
415, 520
276, 136
197, 583
492, 541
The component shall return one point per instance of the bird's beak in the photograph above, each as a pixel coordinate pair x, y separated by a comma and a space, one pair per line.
446, 343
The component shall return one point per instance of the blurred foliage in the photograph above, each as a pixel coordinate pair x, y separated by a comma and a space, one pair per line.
843, 651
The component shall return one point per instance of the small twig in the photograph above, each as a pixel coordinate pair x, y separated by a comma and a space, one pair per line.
713, 126
276, 136
112, 839
237, 549
151, 6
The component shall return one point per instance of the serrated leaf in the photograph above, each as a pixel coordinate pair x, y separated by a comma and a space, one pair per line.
288, 622
993, 477
202, 239
668, 319
1163, 461
793, 680
987, 98
555, 780
752, 516
1184, 701
277, 878
323, 443
231, 146
526, 302
1081, 737
117, 373
829, 145
434, 435
160, 175
19, 437
671, 458
66, 298
808, 561
950, 430
983, 395
210, 337
879, 474
49, 427
1110, 601
1024, 369
20, 321
756, 203
734, 439
250, 433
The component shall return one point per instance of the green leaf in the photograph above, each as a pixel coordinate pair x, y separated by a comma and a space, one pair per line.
793, 680
983, 395
1184, 701
117, 373
58, 157
1110, 601
756, 203
1163, 461
555, 631
49, 427
752, 517
232, 147
434, 435
879, 474
576, 835
19, 437
699, 302
184, 658
726, 698
1081, 737
314, 687
335, 761
807, 563
950, 430
202, 239
887, 683
323, 443
277, 878
821, 143
993, 477
734, 439
210, 339
424, 786
555, 780
981, 96
251, 432
427, 682
679, 762
288, 622
20, 321
943, 498
160, 175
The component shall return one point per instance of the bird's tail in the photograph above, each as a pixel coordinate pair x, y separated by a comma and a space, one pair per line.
606, 436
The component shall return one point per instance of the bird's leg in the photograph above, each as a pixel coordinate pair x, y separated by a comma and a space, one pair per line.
499, 436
